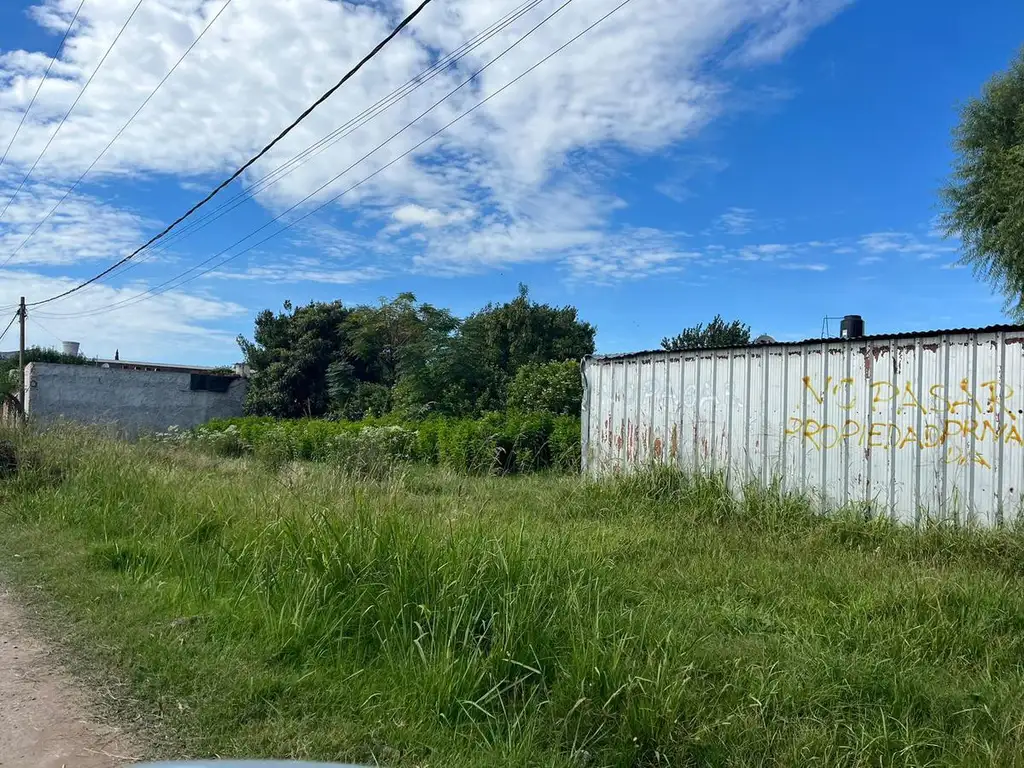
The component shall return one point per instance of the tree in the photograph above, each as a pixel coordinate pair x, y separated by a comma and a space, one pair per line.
416, 359
717, 333
382, 338
547, 387
325, 358
984, 198
289, 358
502, 338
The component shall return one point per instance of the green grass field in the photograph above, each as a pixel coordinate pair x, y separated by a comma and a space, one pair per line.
430, 619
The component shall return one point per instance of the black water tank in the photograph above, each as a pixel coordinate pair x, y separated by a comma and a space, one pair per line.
852, 327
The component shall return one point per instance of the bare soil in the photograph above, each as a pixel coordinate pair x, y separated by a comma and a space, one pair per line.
46, 717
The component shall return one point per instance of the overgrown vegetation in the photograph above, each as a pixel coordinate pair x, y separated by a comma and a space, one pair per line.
402, 358
717, 333
982, 200
9, 366
297, 611
501, 443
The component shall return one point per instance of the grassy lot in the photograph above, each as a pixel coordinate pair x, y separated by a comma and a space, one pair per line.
431, 619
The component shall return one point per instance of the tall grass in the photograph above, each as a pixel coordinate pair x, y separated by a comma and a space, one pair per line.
500, 443
427, 618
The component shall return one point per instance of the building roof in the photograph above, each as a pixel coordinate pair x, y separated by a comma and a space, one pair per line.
816, 342
172, 367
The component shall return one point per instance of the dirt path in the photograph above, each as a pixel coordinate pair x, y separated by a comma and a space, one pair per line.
44, 718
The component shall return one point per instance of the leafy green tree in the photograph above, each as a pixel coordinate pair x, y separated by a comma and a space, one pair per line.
382, 338
289, 357
984, 199
547, 387
502, 338
328, 359
438, 376
717, 333
402, 356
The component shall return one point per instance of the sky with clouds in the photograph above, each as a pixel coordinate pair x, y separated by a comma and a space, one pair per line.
775, 161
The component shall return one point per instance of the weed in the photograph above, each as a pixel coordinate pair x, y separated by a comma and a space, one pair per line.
423, 616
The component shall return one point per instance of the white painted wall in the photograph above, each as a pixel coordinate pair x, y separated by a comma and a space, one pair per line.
907, 426
133, 402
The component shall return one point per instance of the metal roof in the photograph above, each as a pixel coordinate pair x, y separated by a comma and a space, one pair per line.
809, 342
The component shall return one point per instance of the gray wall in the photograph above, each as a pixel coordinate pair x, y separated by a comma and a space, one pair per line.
134, 402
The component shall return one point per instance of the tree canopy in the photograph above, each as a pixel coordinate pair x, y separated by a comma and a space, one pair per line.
984, 198
717, 333
325, 359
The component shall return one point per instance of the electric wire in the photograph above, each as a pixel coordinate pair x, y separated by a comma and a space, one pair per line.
43, 328
74, 104
167, 286
326, 95
337, 176
39, 87
16, 314
116, 136
287, 168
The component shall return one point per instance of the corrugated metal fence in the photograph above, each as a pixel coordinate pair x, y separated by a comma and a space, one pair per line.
911, 426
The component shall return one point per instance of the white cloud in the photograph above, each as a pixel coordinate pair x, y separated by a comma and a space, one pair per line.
637, 254
83, 229
412, 215
806, 267
299, 272
264, 61
904, 243
173, 326
796, 19
676, 186
736, 221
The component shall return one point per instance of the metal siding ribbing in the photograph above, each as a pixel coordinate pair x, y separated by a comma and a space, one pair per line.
908, 427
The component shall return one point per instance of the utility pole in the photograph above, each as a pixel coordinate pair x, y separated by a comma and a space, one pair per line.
22, 313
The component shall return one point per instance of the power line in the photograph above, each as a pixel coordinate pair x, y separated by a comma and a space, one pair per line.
71, 108
166, 286
343, 131
373, 151
326, 95
43, 328
16, 315
39, 87
117, 135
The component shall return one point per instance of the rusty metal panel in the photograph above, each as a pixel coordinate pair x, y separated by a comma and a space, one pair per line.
919, 427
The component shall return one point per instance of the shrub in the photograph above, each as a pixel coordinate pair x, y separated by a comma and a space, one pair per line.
501, 442
548, 387
373, 452
566, 453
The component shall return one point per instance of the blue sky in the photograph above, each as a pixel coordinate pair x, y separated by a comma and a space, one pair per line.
774, 161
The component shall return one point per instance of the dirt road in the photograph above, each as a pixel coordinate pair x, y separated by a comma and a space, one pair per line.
44, 716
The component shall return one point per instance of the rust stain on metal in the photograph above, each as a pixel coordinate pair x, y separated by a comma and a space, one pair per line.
675, 441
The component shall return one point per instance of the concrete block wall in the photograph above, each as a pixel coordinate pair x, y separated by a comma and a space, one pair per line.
133, 403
